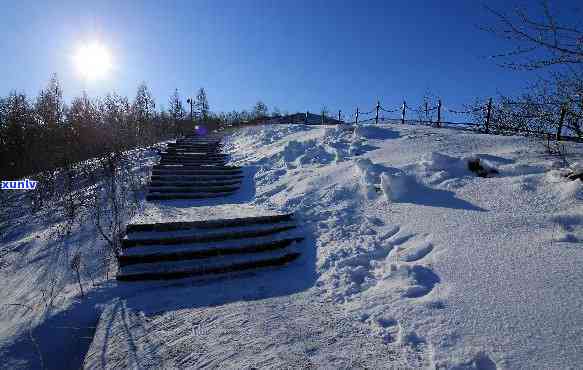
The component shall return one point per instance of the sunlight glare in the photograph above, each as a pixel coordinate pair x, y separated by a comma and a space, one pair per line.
93, 61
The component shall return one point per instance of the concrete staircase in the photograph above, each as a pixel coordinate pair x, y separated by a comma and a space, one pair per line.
193, 168
182, 249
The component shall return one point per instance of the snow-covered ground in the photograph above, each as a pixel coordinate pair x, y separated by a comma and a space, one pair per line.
410, 261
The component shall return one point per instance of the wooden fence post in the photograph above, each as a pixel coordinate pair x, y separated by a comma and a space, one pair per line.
403, 112
561, 121
488, 115
439, 113
377, 116
427, 111
356, 114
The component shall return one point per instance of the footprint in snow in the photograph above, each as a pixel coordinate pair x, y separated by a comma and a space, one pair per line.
389, 329
423, 279
416, 252
407, 247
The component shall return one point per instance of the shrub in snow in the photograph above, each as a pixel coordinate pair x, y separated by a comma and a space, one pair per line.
481, 168
458, 167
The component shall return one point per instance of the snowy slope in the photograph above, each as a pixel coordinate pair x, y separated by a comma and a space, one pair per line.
44, 321
410, 260
439, 267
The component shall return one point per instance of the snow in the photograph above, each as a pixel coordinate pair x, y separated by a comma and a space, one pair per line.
410, 260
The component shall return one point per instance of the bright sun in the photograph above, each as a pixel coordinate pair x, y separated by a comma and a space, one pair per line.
93, 61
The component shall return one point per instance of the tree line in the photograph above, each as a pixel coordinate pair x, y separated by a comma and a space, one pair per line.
46, 133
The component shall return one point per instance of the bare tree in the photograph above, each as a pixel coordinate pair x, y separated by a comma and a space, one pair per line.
543, 39
538, 41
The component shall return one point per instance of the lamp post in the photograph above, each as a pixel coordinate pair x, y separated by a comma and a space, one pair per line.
191, 102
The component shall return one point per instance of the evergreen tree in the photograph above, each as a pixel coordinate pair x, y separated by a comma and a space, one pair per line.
49, 103
144, 106
175, 107
275, 112
260, 110
201, 103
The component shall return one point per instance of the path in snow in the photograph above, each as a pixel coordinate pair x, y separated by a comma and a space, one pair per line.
266, 318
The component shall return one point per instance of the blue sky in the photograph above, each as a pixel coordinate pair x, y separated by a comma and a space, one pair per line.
296, 55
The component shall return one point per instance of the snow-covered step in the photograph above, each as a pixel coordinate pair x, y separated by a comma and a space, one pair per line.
217, 265
189, 166
206, 146
194, 155
209, 224
195, 147
199, 143
192, 159
178, 252
209, 182
192, 189
181, 195
190, 151
194, 152
199, 178
197, 170
215, 162
198, 234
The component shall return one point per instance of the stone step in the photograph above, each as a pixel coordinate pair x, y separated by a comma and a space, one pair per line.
171, 196
193, 156
192, 189
219, 265
195, 183
195, 147
198, 235
195, 167
184, 178
182, 252
195, 152
209, 224
196, 143
192, 161
185, 166
192, 150
192, 171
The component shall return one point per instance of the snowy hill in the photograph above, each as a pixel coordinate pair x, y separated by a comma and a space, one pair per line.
410, 260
